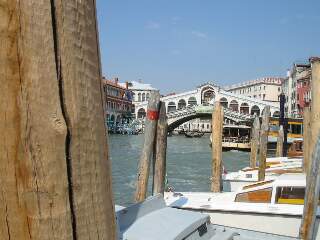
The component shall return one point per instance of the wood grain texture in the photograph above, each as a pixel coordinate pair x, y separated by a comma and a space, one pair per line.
313, 174
279, 150
217, 128
306, 139
148, 147
54, 167
80, 77
255, 133
161, 151
263, 143
34, 187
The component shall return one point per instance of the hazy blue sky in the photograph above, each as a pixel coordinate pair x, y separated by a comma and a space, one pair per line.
177, 44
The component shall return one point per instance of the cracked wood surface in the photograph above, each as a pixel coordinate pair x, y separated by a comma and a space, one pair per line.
52, 119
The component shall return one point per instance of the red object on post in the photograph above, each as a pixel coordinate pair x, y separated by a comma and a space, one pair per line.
152, 115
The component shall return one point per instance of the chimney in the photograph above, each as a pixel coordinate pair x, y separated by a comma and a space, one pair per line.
127, 85
116, 80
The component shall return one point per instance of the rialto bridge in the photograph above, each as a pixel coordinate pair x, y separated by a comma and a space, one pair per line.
182, 107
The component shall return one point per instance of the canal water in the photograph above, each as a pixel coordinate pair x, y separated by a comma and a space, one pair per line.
188, 164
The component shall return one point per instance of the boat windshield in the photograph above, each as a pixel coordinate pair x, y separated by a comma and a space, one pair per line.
290, 195
257, 196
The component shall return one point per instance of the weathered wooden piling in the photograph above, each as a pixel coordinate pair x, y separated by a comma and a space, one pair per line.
255, 133
217, 129
279, 151
311, 200
148, 147
161, 151
312, 188
306, 139
263, 142
54, 166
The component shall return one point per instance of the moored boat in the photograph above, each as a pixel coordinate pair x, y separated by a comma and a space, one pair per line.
273, 206
235, 137
275, 166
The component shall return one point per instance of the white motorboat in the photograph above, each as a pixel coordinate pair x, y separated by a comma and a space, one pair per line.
273, 206
153, 220
275, 166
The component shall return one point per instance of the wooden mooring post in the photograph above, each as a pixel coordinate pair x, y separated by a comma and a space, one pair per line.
161, 151
313, 185
255, 133
55, 172
148, 147
217, 129
263, 142
306, 139
279, 151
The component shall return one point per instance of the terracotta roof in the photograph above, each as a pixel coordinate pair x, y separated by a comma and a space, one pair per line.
112, 83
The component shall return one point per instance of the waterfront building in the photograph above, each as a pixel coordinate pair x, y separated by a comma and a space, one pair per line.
141, 92
119, 105
266, 89
297, 88
198, 124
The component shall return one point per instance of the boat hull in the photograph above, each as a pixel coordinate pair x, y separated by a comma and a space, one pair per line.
286, 225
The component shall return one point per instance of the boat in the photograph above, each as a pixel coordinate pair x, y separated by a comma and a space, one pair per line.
153, 220
193, 134
275, 166
235, 137
295, 131
274, 206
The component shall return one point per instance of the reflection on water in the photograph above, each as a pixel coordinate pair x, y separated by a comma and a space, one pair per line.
188, 164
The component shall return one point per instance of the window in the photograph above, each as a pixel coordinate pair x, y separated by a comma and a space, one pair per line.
279, 89
264, 87
258, 196
264, 96
290, 195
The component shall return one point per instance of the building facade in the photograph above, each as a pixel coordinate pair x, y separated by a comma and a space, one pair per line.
297, 88
119, 105
265, 89
141, 92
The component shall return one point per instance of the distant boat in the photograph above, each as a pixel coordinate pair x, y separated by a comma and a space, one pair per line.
193, 134
235, 137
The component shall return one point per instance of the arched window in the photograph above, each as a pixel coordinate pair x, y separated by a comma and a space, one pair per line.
207, 94
141, 113
143, 97
171, 107
244, 108
234, 106
255, 110
192, 101
148, 96
139, 97
224, 102
182, 104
